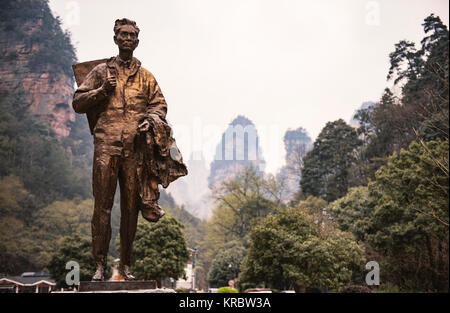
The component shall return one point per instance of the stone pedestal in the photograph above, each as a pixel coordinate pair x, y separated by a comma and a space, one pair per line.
114, 286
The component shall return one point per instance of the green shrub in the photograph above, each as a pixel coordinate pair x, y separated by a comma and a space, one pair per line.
226, 290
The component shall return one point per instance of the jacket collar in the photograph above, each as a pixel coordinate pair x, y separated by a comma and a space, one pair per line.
135, 64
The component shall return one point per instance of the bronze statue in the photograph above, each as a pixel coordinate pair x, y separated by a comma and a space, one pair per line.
126, 112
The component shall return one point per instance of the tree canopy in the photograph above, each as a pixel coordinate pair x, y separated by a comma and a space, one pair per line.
226, 264
160, 250
326, 167
294, 249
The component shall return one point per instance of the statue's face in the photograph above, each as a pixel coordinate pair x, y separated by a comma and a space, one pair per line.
127, 38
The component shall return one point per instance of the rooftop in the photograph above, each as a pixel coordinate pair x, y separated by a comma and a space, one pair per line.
28, 279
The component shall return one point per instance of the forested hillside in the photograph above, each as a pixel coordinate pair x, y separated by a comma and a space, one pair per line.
40, 163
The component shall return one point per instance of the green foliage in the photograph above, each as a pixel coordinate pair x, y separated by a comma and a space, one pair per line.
14, 198
241, 201
378, 128
226, 290
182, 290
422, 110
353, 211
406, 61
73, 248
403, 215
16, 247
312, 205
292, 248
16, 211
409, 223
29, 149
59, 219
160, 250
29, 241
326, 167
246, 197
226, 264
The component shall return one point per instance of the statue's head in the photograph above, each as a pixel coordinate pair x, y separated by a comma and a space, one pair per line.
126, 34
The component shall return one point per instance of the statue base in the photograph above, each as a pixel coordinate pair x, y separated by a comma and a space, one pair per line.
115, 286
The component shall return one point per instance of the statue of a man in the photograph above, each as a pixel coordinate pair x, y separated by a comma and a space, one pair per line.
132, 144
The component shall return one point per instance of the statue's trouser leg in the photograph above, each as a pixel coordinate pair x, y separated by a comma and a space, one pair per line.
129, 195
104, 183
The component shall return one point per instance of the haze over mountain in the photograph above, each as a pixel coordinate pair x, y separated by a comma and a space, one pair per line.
238, 148
297, 143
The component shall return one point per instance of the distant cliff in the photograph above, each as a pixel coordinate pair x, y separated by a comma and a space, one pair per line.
239, 148
35, 60
297, 143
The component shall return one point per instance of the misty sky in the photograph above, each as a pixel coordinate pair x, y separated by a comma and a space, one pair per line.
281, 63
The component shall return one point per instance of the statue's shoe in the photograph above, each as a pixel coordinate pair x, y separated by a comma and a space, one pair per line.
125, 272
99, 274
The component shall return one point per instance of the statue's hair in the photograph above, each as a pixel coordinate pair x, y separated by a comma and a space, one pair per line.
121, 22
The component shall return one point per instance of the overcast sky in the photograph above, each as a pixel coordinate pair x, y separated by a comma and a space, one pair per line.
281, 63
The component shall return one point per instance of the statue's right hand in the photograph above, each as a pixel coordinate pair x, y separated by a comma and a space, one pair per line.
144, 126
109, 84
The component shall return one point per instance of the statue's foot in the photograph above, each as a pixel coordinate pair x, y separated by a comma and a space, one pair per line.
152, 212
99, 273
126, 273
